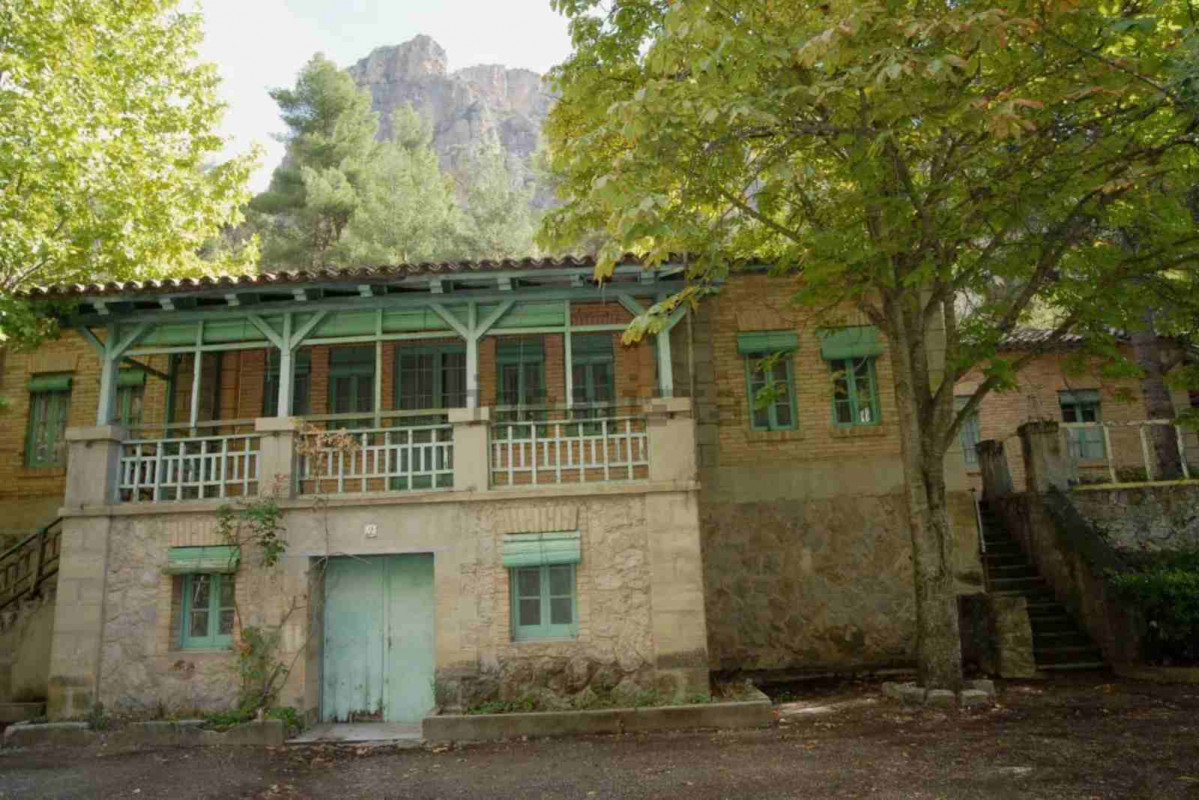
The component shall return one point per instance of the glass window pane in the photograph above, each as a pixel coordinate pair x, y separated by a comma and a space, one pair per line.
509, 384
227, 584
562, 580
199, 624
782, 410
1089, 413
602, 377
200, 591
561, 611
1068, 414
843, 412
453, 376
528, 582
529, 612
226, 628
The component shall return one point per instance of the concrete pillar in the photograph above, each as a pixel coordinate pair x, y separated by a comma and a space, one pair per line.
1046, 463
472, 459
671, 432
677, 618
992, 462
277, 455
93, 465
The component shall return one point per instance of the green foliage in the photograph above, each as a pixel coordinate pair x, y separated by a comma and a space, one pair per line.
224, 720
316, 190
406, 212
1167, 594
257, 522
97, 719
259, 668
108, 131
497, 217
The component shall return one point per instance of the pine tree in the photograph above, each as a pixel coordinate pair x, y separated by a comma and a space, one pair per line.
498, 218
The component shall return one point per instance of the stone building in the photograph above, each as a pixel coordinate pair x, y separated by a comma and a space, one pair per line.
521, 504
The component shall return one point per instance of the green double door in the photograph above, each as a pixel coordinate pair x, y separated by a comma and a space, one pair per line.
378, 638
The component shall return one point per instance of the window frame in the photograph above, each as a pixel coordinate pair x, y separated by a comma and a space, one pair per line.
214, 640
301, 378
852, 392
772, 423
520, 411
544, 629
972, 423
56, 414
1075, 442
362, 374
439, 353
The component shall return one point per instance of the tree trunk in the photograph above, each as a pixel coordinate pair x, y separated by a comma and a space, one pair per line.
938, 641
1147, 351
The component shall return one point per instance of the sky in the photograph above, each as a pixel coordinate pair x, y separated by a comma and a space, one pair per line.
260, 44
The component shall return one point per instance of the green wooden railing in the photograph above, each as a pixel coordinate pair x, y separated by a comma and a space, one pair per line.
25, 566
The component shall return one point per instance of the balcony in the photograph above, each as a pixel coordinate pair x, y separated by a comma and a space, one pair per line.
470, 452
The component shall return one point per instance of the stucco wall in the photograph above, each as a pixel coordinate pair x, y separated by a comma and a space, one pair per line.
25, 632
615, 650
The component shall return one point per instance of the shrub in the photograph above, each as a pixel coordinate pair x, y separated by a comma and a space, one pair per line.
1167, 594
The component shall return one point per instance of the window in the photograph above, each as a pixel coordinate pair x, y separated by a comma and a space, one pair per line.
1083, 444
779, 412
131, 384
543, 601
968, 434
592, 381
208, 611
855, 391
301, 383
49, 409
431, 377
352, 383
521, 367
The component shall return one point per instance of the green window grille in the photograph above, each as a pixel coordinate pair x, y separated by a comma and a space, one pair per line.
352, 383
49, 410
855, 392
770, 388
1083, 444
592, 372
301, 383
520, 364
544, 603
207, 612
969, 433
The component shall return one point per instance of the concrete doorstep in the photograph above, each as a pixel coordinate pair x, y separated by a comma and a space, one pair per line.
184, 733
494, 727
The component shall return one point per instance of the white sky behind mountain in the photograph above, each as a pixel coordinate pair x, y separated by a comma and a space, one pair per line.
260, 44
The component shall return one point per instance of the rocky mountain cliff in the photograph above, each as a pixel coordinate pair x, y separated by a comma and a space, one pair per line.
484, 106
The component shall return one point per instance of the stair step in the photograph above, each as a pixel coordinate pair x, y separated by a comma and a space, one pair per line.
1004, 549
1067, 655
1022, 585
1052, 624
1073, 665
1005, 560
1012, 571
1052, 640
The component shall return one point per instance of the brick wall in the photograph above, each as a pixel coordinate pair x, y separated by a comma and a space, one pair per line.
1036, 397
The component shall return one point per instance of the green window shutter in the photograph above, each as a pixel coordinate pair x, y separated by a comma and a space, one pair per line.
534, 550
766, 342
50, 383
49, 411
131, 377
544, 602
859, 341
207, 613
203, 560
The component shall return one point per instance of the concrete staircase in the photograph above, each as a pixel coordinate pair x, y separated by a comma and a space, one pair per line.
1059, 643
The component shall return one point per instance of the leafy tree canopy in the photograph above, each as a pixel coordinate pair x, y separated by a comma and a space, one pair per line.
938, 169
107, 136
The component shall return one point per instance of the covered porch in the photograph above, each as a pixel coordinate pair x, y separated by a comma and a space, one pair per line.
378, 370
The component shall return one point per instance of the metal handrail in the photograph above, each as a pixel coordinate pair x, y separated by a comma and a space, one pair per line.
40, 571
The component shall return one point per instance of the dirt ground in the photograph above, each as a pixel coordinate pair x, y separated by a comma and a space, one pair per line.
1090, 737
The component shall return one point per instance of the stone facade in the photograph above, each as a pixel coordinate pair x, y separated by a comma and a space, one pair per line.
1144, 520
807, 552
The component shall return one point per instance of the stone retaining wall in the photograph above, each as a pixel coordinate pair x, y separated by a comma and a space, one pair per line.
1149, 519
